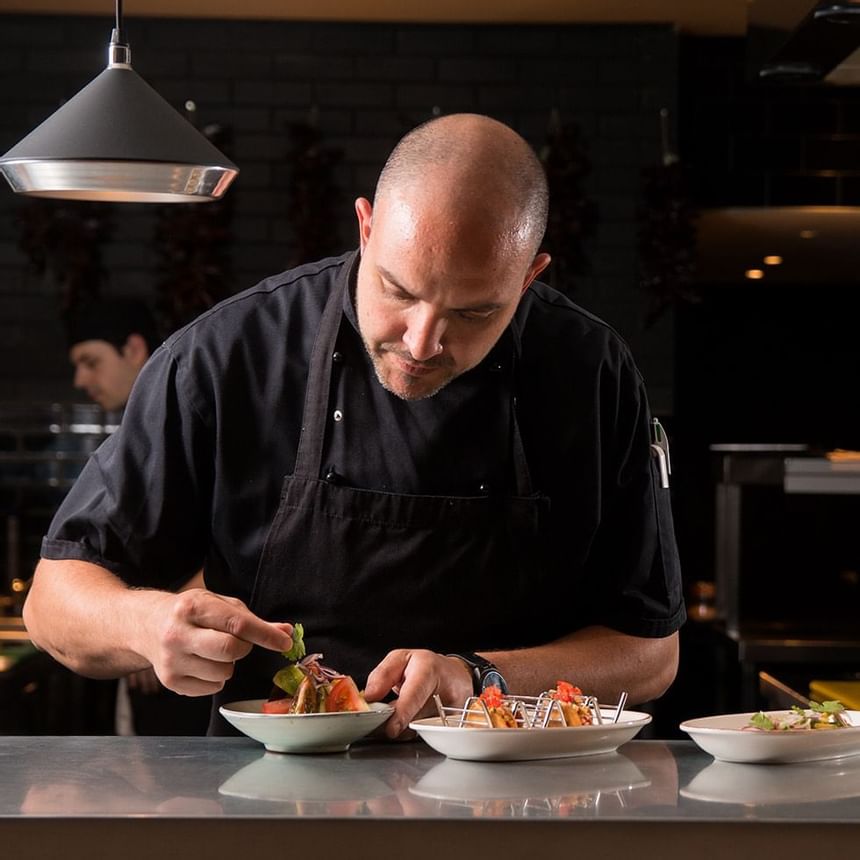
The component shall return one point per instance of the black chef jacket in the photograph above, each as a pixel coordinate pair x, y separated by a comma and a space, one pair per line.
192, 477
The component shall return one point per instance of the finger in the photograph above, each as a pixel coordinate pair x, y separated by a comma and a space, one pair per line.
229, 616
215, 645
387, 675
414, 693
418, 680
190, 686
191, 666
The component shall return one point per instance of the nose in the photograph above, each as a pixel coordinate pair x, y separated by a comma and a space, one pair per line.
80, 377
423, 335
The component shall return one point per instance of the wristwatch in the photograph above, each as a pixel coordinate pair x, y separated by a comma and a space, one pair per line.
484, 673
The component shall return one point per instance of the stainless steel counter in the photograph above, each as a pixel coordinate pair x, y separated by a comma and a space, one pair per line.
164, 797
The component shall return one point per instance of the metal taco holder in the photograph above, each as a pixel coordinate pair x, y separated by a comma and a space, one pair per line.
529, 712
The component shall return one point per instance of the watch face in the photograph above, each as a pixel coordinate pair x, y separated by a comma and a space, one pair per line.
492, 678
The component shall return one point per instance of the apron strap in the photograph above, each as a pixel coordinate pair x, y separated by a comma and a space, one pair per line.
312, 436
522, 476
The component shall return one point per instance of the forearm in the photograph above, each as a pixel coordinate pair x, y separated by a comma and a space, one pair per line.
88, 619
599, 660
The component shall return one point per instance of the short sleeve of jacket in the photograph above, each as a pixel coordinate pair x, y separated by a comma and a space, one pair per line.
632, 571
610, 544
139, 507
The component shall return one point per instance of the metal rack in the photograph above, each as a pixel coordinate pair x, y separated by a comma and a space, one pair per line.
784, 470
528, 712
43, 447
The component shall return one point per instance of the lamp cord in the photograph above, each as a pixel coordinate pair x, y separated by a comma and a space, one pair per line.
117, 36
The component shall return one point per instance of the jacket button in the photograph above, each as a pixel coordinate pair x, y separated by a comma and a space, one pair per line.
332, 477
484, 488
337, 415
337, 357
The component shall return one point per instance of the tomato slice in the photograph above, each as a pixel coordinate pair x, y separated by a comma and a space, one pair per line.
277, 706
344, 696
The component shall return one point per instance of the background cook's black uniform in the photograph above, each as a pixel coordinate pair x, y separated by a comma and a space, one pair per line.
517, 504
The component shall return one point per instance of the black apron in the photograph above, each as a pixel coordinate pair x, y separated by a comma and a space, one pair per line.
367, 571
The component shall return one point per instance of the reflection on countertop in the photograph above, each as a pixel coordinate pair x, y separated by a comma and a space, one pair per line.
220, 797
112, 776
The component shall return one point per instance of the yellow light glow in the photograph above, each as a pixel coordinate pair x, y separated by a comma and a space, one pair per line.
808, 234
773, 260
754, 274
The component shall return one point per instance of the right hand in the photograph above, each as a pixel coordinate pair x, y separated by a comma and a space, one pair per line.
194, 638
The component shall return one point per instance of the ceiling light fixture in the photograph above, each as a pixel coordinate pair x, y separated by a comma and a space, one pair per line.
754, 274
118, 141
772, 260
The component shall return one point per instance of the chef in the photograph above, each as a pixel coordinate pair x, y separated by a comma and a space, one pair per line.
441, 467
109, 342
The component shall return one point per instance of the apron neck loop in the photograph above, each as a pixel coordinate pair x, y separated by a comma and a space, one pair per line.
312, 437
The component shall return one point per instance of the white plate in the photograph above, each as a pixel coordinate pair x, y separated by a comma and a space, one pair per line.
725, 739
466, 781
304, 733
767, 784
484, 744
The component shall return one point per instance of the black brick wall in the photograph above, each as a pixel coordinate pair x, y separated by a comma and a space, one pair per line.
370, 83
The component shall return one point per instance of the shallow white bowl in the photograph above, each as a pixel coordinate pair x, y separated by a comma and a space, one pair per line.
485, 744
726, 739
304, 733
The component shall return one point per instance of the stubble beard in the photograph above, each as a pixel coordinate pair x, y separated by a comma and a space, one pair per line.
412, 389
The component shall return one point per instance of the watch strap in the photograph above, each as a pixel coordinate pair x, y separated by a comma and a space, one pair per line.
484, 673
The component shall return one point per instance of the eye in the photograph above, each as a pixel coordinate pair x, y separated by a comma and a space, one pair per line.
476, 316
396, 294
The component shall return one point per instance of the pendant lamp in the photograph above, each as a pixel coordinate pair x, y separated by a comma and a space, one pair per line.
118, 141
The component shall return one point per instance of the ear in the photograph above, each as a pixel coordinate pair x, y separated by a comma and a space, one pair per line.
364, 213
540, 262
135, 351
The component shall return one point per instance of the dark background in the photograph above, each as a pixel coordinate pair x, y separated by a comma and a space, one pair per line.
725, 360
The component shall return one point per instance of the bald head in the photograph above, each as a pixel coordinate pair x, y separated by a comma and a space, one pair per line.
448, 249
475, 168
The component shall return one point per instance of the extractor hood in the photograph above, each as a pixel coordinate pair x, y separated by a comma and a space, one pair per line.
801, 41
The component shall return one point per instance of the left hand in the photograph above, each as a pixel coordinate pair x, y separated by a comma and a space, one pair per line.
415, 676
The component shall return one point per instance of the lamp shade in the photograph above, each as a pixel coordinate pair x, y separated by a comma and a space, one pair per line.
117, 140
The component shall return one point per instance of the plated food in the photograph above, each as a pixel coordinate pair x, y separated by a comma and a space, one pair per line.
312, 709
735, 738
304, 733
560, 723
481, 743
305, 686
490, 708
817, 717
564, 705
572, 704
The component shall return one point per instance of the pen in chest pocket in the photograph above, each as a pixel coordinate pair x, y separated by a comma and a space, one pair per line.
660, 449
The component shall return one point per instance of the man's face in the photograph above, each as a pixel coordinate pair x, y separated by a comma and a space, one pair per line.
432, 302
105, 373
